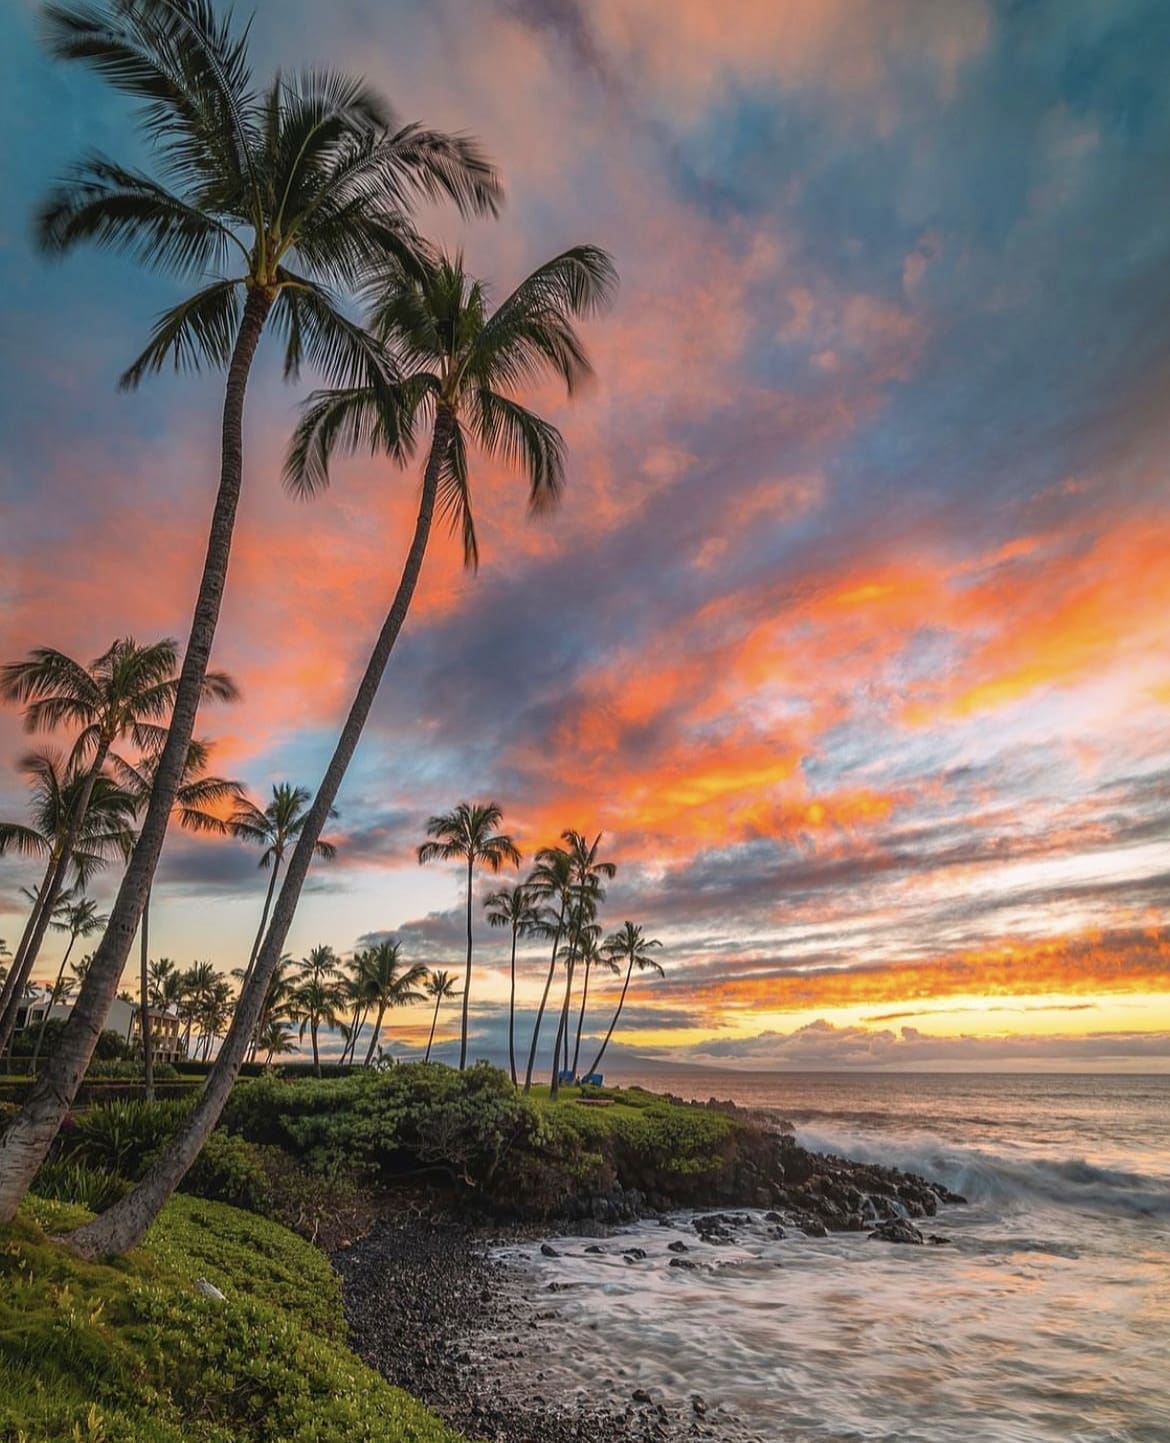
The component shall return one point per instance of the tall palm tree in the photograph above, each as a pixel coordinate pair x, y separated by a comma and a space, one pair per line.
268, 200
276, 828
530, 335
383, 982
315, 996
164, 983
630, 946
590, 953
104, 832
469, 834
551, 880
127, 692
197, 983
194, 810
81, 918
514, 907
440, 986
213, 1013
589, 875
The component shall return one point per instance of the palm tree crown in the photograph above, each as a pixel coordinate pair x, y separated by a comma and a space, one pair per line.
458, 361
285, 192
469, 833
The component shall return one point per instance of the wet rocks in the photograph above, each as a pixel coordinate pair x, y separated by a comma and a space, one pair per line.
898, 1230
548, 1251
678, 1246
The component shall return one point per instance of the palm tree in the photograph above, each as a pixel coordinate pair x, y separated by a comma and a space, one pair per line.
126, 692
275, 1038
439, 985
382, 983
276, 828
80, 918
315, 994
194, 800
629, 946
468, 833
164, 983
530, 335
589, 952
197, 983
271, 199
588, 874
57, 790
213, 1012
551, 880
513, 907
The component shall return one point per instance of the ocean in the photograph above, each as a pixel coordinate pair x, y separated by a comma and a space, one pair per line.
1048, 1317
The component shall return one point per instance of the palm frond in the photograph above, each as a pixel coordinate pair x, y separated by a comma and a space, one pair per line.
200, 330
188, 70
128, 212
454, 496
523, 440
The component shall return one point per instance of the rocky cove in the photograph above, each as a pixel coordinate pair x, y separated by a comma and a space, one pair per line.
456, 1307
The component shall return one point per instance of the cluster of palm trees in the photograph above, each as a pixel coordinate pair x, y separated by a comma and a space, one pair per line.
285, 207
559, 902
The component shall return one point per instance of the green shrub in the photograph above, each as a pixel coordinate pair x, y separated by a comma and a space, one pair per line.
231, 1170
95, 1188
465, 1125
124, 1134
124, 1069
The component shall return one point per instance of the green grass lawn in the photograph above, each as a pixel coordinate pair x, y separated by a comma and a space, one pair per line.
131, 1352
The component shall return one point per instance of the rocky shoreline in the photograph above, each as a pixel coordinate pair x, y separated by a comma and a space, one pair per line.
434, 1313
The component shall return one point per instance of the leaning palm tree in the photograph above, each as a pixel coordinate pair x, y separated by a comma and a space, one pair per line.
590, 953
630, 946
127, 692
268, 201
80, 918
551, 880
276, 828
514, 907
440, 986
383, 983
463, 361
469, 835
589, 874
194, 810
105, 832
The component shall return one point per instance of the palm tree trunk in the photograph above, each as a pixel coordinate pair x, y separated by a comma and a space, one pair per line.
563, 1024
434, 1020
125, 1224
144, 1000
316, 1055
43, 913
581, 1016
512, 1014
552, 967
616, 1015
263, 921
25, 1143
32, 1067
25, 960
377, 1033
467, 970
17, 977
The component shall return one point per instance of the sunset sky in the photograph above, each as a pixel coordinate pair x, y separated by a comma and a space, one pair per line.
852, 632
